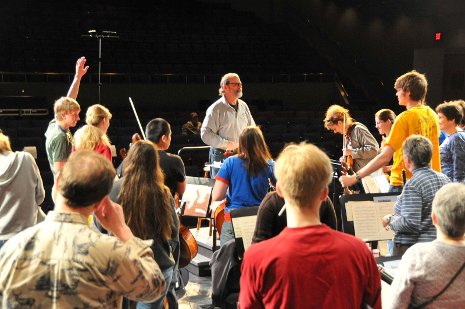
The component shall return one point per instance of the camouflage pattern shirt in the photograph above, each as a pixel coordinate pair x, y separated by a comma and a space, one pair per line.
62, 263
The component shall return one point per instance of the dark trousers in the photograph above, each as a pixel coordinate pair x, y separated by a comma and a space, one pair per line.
399, 249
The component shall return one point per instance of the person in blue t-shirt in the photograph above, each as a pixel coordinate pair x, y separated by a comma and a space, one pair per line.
244, 178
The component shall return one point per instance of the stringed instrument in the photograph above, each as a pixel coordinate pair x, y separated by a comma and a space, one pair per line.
218, 216
348, 161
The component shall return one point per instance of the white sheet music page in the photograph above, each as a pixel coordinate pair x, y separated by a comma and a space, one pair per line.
244, 227
367, 220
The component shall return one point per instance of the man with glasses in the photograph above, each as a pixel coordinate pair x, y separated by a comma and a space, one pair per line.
225, 119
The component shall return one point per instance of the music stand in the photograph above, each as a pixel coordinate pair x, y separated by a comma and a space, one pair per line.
348, 226
243, 222
196, 199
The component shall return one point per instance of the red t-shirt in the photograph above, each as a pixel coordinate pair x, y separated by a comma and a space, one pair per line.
310, 267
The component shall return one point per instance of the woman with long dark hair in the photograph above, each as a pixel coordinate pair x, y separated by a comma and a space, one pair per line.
149, 208
246, 175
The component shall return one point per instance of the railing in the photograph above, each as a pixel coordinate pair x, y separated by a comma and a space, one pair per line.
165, 78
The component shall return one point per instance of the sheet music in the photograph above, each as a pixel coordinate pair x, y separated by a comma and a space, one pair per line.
350, 205
244, 227
391, 267
370, 185
375, 183
367, 220
195, 200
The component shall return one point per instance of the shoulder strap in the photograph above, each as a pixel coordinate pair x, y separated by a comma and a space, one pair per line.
442, 291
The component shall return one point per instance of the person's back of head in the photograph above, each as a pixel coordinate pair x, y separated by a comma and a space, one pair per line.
302, 172
96, 113
86, 178
143, 195
156, 128
418, 149
65, 105
449, 209
414, 82
87, 137
253, 150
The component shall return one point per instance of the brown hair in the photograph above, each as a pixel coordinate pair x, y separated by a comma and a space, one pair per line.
385, 115
451, 110
414, 82
253, 150
145, 199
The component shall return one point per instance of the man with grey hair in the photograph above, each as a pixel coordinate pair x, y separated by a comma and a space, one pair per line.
63, 263
225, 119
428, 268
411, 221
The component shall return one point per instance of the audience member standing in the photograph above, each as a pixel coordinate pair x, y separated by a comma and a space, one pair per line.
411, 221
192, 126
21, 190
433, 272
308, 265
225, 120
63, 263
417, 119
453, 148
149, 209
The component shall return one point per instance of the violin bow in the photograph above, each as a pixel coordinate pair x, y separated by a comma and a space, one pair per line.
137, 118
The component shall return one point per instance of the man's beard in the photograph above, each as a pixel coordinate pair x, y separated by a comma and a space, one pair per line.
239, 94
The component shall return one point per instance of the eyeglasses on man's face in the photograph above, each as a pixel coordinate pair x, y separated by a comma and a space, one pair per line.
237, 84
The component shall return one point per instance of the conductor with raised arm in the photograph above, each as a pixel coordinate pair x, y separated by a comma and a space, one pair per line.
225, 119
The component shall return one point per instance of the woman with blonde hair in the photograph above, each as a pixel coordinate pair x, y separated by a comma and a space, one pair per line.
149, 208
244, 179
93, 136
359, 143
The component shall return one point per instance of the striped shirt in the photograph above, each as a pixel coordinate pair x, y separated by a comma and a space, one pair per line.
412, 212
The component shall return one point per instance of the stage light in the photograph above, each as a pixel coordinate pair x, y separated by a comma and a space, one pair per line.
438, 36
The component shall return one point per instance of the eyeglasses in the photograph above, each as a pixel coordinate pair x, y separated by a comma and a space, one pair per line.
237, 84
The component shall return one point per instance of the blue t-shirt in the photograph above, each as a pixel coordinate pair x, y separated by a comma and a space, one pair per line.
244, 189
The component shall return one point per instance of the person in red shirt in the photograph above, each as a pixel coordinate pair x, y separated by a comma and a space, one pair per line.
308, 265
